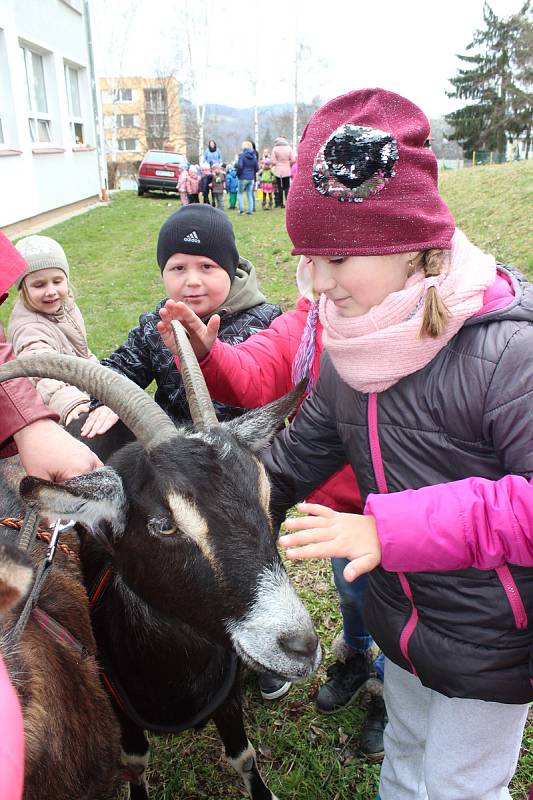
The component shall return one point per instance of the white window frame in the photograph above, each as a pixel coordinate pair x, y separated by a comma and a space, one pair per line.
39, 119
75, 119
2, 134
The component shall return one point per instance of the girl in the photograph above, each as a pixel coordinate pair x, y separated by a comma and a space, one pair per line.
192, 185
45, 317
427, 381
182, 186
251, 374
266, 182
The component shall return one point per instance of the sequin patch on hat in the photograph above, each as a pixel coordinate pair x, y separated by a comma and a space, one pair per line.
355, 162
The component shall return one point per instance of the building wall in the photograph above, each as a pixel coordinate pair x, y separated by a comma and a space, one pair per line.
38, 176
114, 106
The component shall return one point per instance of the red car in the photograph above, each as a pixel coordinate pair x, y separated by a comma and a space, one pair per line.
159, 170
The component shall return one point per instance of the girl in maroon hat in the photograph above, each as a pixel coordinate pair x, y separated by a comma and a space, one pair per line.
426, 388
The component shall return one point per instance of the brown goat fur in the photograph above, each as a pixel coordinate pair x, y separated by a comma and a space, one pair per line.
72, 737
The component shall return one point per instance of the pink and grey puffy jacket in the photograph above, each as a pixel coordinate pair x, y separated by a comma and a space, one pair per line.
452, 601
259, 370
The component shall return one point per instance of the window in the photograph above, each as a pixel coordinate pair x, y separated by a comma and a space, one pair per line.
128, 144
123, 95
2, 139
74, 104
126, 121
155, 101
38, 116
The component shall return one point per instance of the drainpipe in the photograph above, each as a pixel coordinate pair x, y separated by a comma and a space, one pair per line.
98, 123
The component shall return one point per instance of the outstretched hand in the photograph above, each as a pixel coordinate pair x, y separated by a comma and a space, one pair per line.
202, 336
325, 533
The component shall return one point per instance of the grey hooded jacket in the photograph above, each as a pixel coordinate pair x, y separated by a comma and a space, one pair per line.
469, 412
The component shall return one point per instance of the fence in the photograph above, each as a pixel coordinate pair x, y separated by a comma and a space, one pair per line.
482, 157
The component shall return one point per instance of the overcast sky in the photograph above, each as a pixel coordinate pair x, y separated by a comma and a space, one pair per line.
407, 46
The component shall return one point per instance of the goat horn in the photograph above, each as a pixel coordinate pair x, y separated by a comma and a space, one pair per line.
201, 406
137, 410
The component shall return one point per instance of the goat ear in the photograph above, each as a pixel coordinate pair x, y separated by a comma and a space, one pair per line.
87, 498
257, 428
16, 573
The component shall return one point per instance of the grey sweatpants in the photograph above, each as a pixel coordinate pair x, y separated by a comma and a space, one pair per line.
442, 748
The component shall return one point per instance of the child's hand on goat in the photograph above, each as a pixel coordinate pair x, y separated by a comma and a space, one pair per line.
202, 336
324, 533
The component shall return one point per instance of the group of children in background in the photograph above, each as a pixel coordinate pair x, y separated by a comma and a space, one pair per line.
424, 394
271, 175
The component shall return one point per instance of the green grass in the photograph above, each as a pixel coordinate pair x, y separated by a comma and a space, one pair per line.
112, 255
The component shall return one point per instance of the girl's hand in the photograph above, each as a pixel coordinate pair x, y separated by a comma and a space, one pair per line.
325, 533
202, 336
99, 421
83, 408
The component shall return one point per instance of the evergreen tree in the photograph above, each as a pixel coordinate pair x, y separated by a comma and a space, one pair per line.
498, 82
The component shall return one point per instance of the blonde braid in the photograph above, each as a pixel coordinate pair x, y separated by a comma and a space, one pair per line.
436, 313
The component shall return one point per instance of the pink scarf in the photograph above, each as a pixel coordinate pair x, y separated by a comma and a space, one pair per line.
374, 351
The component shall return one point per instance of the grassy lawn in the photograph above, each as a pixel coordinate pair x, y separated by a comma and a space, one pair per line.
111, 251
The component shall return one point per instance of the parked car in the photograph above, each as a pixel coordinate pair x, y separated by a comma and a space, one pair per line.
159, 171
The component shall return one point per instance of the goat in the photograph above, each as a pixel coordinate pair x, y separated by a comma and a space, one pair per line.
72, 737
180, 520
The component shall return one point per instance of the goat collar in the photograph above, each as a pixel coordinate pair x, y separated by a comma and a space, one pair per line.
118, 693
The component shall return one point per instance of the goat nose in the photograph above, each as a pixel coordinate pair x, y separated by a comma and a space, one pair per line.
299, 644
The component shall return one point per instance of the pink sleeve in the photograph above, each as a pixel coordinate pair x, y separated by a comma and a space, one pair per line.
258, 370
11, 741
470, 523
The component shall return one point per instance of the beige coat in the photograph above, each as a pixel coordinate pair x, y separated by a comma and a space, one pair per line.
63, 333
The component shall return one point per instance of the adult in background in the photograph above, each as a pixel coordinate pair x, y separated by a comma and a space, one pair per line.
282, 157
212, 154
247, 168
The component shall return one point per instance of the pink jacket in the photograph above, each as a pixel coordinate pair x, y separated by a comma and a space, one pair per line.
418, 529
282, 158
192, 183
259, 370
11, 740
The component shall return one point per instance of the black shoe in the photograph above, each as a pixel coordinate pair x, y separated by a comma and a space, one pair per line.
344, 682
272, 686
371, 741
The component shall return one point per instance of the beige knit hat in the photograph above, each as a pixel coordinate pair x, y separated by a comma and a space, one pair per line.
41, 252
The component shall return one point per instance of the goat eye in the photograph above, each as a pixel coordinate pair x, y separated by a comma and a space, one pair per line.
161, 526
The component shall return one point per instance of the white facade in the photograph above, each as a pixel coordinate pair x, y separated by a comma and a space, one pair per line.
48, 155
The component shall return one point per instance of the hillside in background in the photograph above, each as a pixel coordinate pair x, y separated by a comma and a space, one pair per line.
490, 203
229, 126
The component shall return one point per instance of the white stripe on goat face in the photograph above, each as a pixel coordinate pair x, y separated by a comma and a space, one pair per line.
264, 488
189, 520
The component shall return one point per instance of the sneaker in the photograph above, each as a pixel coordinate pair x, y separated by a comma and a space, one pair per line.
272, 686
371, 740
344, 682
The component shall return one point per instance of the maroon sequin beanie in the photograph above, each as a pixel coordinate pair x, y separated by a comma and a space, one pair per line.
367, 180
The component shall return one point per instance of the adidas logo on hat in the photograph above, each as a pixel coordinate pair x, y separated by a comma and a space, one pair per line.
192, 237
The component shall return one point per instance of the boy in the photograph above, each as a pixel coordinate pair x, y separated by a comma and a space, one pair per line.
200, 265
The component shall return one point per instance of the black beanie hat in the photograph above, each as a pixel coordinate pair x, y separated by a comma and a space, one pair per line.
199, 230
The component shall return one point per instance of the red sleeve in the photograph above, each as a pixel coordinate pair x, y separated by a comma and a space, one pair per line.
20, 405
258, 370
